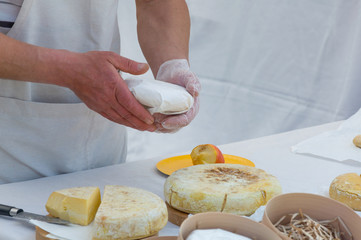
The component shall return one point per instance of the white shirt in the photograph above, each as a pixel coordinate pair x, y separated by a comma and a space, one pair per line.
9, 10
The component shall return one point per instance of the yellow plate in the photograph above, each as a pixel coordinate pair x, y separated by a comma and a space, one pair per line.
169, 165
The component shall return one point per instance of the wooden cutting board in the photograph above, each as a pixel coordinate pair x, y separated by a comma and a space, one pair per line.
175, 216
41, 235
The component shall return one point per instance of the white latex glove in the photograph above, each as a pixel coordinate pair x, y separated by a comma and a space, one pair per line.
177, 71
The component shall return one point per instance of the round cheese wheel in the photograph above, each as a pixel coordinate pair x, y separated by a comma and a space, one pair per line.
230, 188
346, 188
129, 213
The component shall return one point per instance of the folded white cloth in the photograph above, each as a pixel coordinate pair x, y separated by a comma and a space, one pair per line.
160, 97
214, 234
337, 144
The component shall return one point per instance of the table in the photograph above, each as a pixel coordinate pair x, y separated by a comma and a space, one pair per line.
296, 173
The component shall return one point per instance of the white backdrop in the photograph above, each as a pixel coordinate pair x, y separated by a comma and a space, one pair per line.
266, 66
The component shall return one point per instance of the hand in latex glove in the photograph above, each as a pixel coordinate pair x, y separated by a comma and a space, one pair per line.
94, 78
177, 72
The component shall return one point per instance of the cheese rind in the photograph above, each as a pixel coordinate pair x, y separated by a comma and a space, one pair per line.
76, 205
129, 213
346, 188
230, 188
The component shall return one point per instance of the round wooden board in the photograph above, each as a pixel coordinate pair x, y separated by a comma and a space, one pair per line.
41, 234
175, 216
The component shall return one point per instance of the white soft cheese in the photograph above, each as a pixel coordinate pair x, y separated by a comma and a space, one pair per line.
214, 234
160, 97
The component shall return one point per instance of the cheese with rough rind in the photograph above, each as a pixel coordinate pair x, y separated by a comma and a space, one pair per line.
230, 188
129, 213
77, 205
346, 188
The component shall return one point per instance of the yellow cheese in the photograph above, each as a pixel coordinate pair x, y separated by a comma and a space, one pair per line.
346, 188
77, 205
129, 213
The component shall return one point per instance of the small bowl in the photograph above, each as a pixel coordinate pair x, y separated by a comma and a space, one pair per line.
315, 206
226, 221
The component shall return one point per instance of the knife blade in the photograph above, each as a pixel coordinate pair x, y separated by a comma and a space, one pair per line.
19, 213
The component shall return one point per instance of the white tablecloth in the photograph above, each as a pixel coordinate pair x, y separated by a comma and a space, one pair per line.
297, 173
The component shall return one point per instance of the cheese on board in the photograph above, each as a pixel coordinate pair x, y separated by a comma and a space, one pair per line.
230, 188
77, 205
129, 213
346, 188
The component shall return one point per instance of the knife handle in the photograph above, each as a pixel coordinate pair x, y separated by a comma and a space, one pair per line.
9, 211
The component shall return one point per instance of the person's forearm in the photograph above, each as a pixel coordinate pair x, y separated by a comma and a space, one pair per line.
26, 62
93, 76
163, 30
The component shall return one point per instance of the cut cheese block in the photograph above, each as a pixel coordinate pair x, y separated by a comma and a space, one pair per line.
230, 188
346, 188
77, 205
129, 213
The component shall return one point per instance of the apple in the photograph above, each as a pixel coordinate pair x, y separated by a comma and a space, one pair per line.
206, 154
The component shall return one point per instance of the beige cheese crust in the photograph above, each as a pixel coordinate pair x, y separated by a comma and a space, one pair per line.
129, 213
346, 188
230, 188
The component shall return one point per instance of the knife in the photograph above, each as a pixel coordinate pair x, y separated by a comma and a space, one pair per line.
19, 213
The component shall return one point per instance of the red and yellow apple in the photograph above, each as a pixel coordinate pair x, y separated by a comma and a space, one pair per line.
206, 154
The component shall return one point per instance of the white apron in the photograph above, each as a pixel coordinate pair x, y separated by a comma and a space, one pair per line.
45, 129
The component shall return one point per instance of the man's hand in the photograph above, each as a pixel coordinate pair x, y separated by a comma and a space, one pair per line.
177, 72
95, 79
92, 76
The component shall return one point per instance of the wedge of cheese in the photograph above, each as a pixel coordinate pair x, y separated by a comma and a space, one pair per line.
77, 205
129, 213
